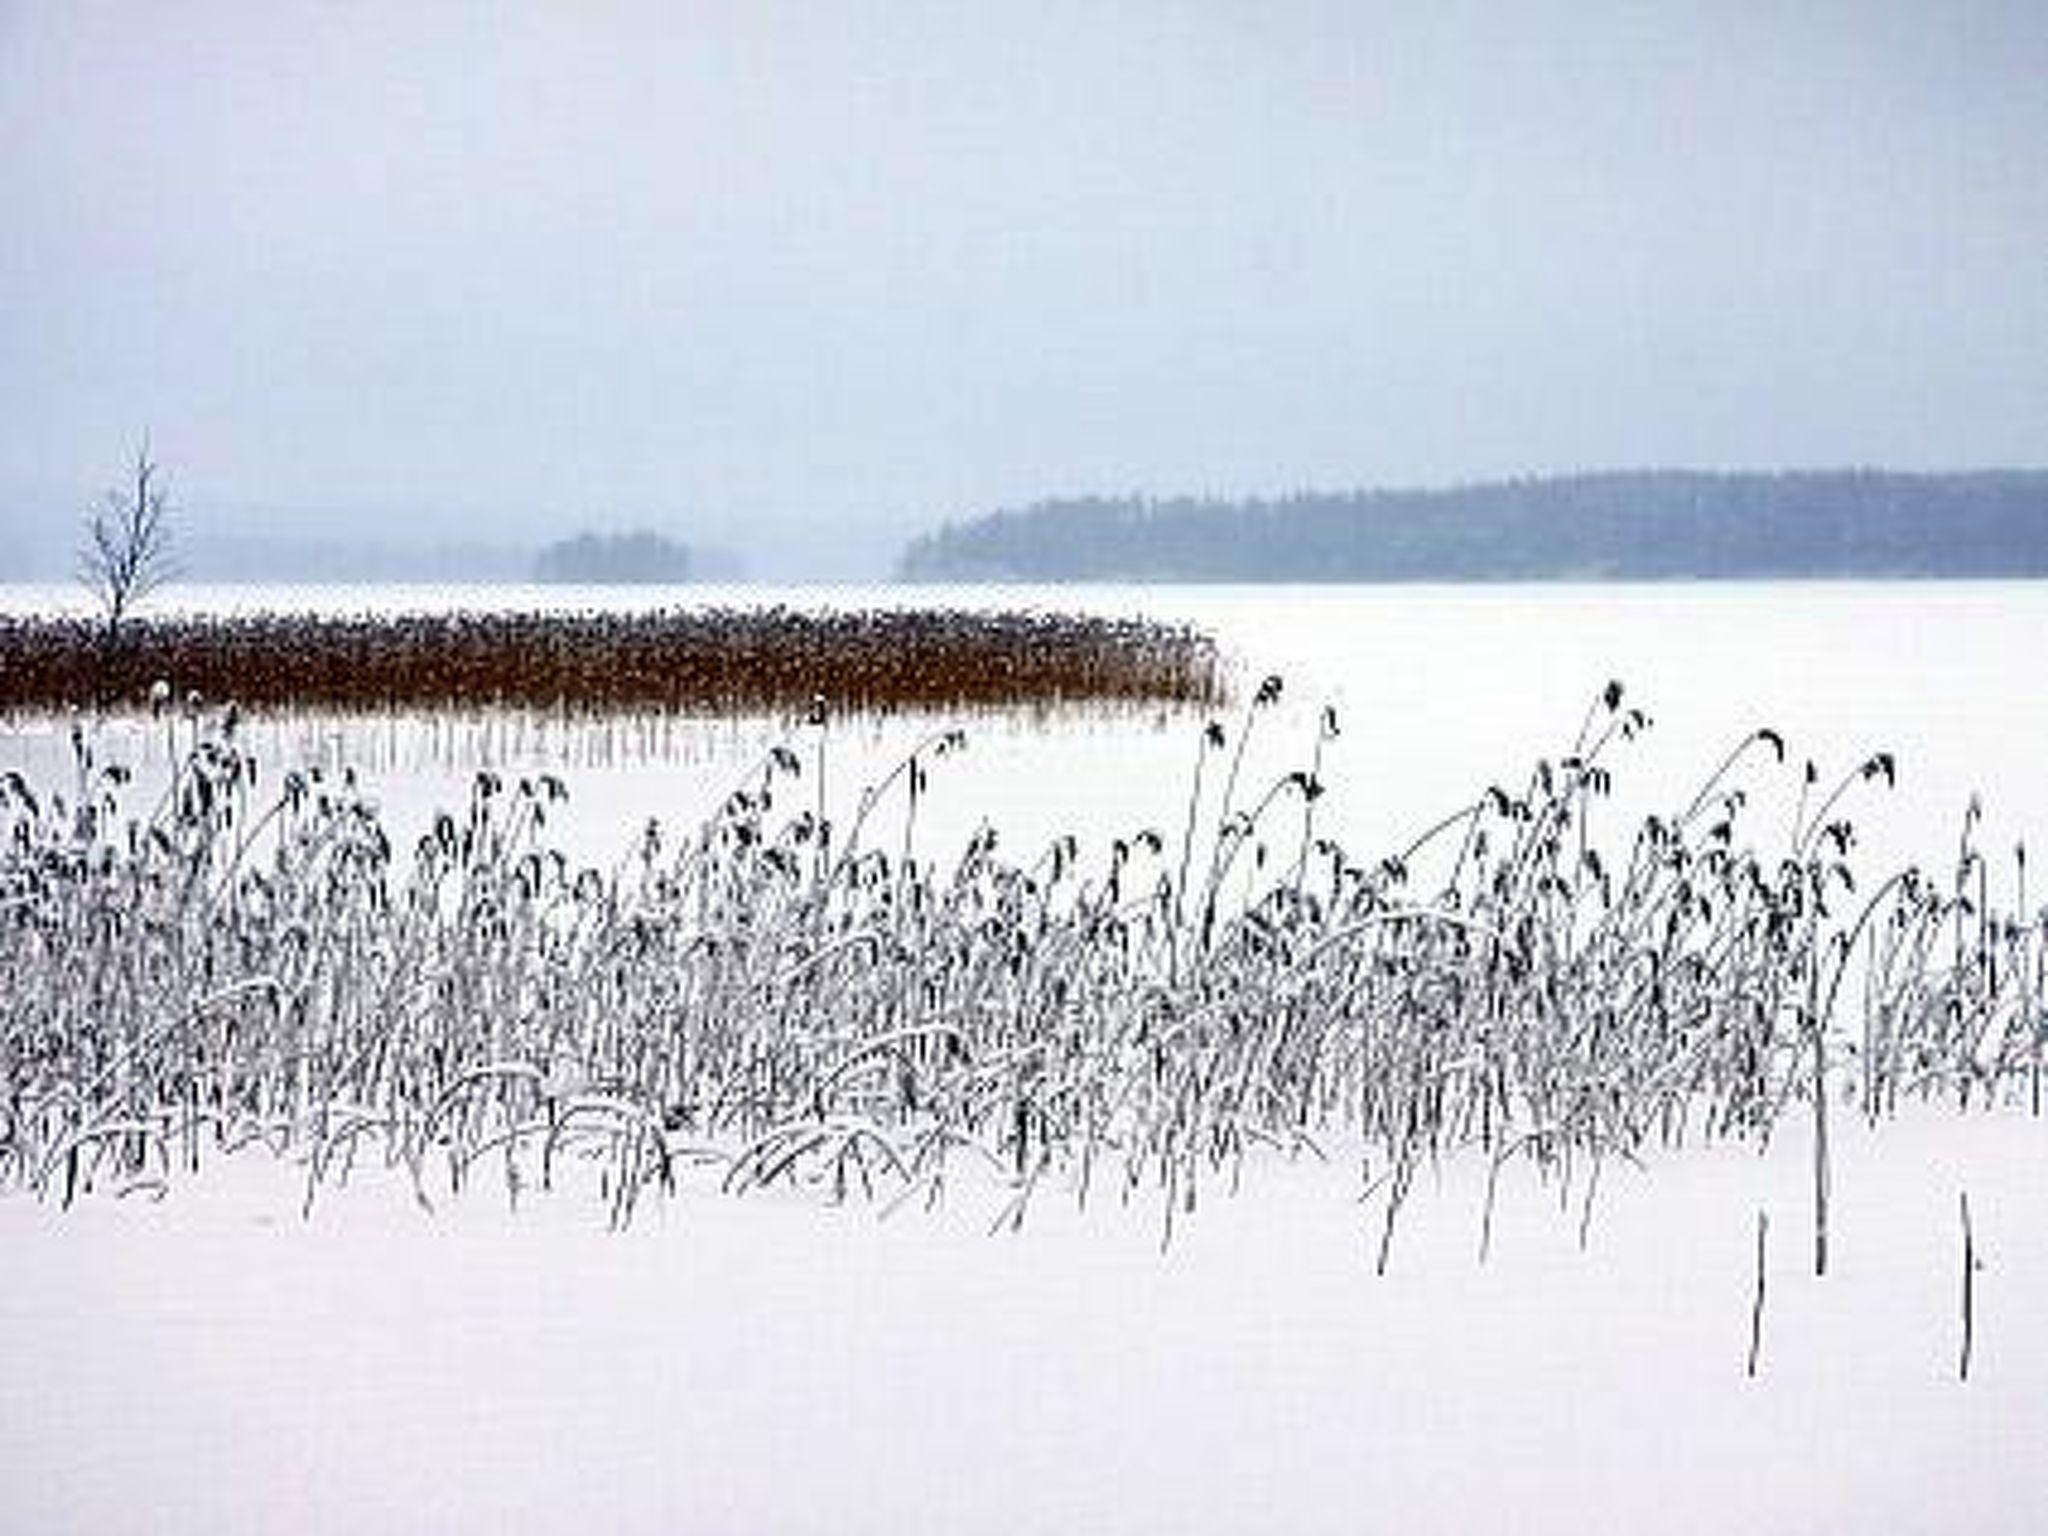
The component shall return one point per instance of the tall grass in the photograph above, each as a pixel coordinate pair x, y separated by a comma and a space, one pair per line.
719, 660
771, 999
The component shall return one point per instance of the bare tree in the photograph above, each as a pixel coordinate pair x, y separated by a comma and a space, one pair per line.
126, 553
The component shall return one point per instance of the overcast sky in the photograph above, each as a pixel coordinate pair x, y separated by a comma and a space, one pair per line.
807, 276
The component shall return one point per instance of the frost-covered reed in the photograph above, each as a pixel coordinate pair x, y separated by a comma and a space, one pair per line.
773, 999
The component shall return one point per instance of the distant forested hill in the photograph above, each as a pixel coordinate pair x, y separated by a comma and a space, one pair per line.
613, 558
1637, 526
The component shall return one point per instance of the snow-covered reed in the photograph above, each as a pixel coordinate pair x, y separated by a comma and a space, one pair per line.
770, 999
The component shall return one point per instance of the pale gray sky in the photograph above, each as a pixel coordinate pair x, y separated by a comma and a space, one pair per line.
807, 276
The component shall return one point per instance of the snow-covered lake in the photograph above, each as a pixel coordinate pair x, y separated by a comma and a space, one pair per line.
212, 1363
1440, 691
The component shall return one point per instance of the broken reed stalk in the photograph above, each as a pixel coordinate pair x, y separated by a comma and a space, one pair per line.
1821, 1166
1756, 1306
1970, 1265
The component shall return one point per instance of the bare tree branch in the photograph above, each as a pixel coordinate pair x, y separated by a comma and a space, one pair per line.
126, 552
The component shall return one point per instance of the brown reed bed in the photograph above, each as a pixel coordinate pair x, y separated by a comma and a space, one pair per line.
709, 660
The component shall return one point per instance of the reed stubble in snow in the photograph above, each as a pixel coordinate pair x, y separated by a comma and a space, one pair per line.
770, 998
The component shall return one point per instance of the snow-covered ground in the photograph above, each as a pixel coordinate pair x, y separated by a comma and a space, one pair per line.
214, 1362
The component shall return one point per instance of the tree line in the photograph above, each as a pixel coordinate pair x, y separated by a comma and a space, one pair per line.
1633, 526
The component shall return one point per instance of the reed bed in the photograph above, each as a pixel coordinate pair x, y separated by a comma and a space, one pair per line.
717, 660
770, 999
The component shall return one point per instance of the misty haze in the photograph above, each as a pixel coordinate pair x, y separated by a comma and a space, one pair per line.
807, 286
1192, 766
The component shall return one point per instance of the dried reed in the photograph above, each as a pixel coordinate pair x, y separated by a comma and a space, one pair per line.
779, 1000
700, 660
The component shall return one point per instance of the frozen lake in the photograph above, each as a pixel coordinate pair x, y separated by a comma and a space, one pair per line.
1440, 691
210, 1362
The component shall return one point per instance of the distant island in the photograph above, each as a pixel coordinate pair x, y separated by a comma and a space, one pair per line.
1650, 525
612, 559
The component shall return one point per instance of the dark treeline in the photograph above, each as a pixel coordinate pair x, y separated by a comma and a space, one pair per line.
1635, 526
614, 558
700, 660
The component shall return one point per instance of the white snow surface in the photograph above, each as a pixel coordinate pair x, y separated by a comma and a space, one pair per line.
215, 1361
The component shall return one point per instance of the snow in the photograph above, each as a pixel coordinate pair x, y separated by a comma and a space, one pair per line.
215, 1362
212, 1363
1439, 691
